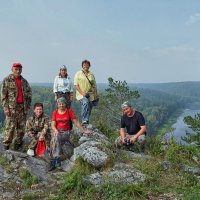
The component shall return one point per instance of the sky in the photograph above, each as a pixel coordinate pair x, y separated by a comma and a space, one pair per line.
139, 41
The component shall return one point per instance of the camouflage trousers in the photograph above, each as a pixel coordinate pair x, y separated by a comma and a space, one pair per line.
137, 146
15, 126
61, 146
34, 141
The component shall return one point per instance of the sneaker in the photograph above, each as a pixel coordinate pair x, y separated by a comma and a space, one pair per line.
30, 152
6, 146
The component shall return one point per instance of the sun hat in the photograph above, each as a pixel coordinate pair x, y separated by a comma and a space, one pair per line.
126, 104
63, 67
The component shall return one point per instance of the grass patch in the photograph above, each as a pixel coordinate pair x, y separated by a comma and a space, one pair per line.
27, 178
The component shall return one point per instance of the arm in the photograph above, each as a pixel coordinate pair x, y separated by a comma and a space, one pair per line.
79, 90
29, 128
78, 124
27, 94
122, 134
53, 126
45, 129
55, 87
140, 132
4, 98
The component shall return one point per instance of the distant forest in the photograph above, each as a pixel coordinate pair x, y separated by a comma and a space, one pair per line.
158, 102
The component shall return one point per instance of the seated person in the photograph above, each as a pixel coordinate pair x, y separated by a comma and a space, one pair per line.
61, 147
38, 128
134, 123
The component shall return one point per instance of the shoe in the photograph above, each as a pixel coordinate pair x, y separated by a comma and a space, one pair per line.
52, 165
30, 152
58, 162
6, 147
85, 123
18, 147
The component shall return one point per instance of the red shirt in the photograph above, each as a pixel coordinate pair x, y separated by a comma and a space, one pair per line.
19, 94
62, 120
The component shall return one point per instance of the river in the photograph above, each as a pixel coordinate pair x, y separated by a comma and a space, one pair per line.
180, 128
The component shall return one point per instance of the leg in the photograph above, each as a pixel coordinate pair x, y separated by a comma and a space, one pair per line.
141, 141
9, 131
20, 128
85, 109
33, 143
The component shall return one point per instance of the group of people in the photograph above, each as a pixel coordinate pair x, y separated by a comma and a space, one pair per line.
16, 102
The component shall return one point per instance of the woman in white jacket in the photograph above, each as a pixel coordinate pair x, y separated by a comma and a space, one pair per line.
63, 86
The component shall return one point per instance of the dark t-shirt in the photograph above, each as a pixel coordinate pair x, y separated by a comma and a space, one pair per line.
132, 124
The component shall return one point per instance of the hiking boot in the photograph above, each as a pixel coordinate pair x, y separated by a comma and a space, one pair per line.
52, 165
17, 147
6, 146
58, 162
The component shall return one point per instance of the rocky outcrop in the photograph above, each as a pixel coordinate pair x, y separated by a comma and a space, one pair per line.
93, 149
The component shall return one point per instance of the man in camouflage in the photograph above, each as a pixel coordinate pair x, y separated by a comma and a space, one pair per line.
16, 102
37, 127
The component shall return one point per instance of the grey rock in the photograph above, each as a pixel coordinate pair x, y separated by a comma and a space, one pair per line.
116, 176
137, 155
67, 165
38, 168
166, 164
191, 170
94, 156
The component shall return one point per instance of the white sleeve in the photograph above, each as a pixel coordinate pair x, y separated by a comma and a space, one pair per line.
55, 88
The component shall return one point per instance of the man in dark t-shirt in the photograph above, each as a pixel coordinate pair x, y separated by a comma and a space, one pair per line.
133, 128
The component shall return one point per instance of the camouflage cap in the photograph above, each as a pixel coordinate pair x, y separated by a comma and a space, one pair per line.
126, 104
61, 99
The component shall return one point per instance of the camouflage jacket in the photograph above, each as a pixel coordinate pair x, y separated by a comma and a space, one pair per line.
9, 91
35, 125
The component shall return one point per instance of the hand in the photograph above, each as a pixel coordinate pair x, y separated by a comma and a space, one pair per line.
56, 132
87, 132
7, 113
133, 139
71, 98
123, 142
27, 110
55, 98
41, 138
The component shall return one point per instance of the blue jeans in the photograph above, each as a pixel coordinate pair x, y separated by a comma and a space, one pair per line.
86, 108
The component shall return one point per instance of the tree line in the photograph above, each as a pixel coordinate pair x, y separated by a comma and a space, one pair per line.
157, 107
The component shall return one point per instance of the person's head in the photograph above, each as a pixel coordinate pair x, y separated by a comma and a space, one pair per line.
127, 108
61, 103
85, 64
16, 69
63, 71
38, 109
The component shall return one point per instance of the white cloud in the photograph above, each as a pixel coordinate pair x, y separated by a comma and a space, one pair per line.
193, 19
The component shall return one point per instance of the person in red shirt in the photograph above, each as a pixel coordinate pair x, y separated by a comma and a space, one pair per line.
61, 146
16, 102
